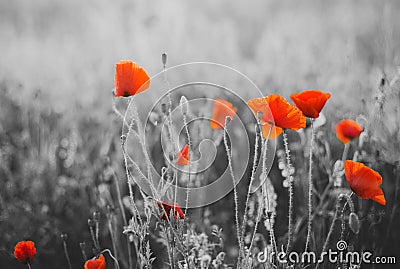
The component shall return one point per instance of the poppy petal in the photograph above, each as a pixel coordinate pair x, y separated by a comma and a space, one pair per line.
183, 156
276, 110
98, 263
364, 181
130, 79
221, 110
379, 199
275, 131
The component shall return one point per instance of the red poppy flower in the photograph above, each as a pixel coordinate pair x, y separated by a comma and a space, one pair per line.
130, 79
281, 115
347, 130
24, 251
164, 205
364, 181
96, 263
222, 109
183, 156
310, 102
177, 211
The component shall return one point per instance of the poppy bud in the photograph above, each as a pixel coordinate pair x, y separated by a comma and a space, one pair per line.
269, 214
123, 139
184, 105
164, 108
96, 216
227, 120
106, 161
164, 59
110, 209
259, 116
354, 223
91, 223
363, 137
82, 245
64, 237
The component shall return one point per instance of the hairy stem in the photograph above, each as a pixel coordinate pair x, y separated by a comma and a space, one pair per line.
229, 155
290, 181
335, 218
66, 255
310, 188
253, 172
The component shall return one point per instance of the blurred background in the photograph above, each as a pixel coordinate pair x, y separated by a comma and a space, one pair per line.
57, 61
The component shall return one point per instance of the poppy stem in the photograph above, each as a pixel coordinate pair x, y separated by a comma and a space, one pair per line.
112, 257
82, 245
253, 172
110, 228
290, 180
264, 190
335, 218
235, 195
310, 188
66, 254
345, 152
122, 209
29, 266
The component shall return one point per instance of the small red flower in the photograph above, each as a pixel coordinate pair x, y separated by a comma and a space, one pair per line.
276, 111
164, 205
24, 251
96, 263
346, 130
177, 211
364, 181
310, 102
221, 110
130, 79
183, 156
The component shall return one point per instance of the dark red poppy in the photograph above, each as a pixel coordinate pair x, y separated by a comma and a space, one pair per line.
130, 79
364, 181
221, 110
177, 211
24, 251
346, 130
310, 102
96, 263
164, 205
276, 111
183, 156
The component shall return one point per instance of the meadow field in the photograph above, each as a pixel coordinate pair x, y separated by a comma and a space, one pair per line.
78, 163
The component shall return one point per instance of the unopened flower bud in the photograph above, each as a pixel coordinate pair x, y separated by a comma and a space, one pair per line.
64, 237
91, 223
184, 105
123, 139
96, 216
259, 116
227, 120
269, 214
354, 223
164, 108
164, 59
